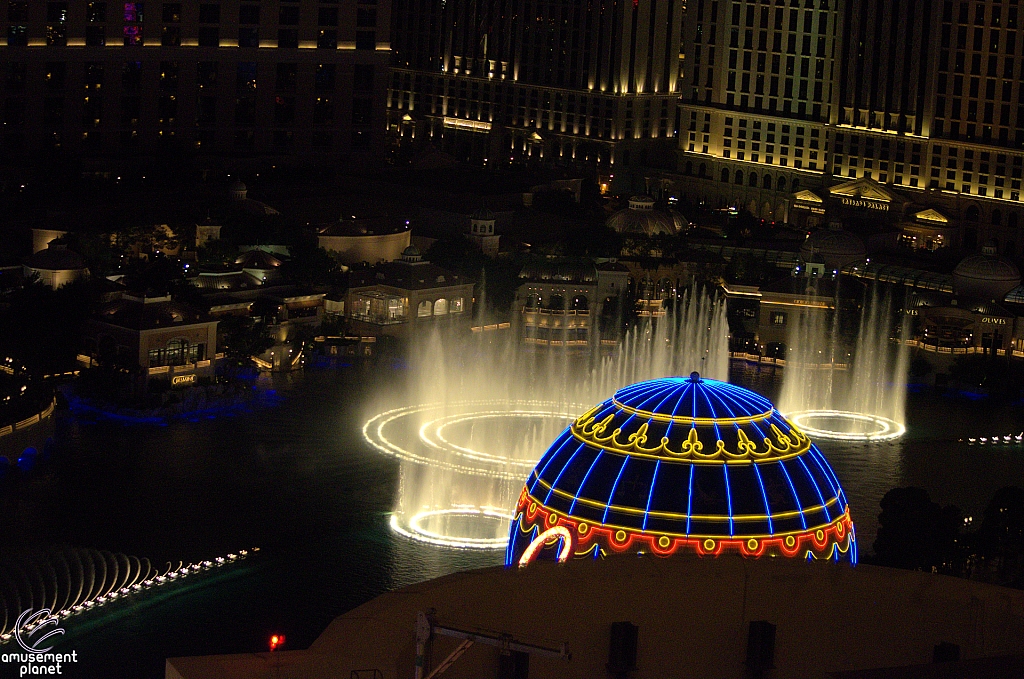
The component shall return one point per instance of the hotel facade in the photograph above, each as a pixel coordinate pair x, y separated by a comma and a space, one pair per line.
922, 98
279, 78
562, 81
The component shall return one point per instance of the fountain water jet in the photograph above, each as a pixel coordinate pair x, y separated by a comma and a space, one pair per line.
479, 413
849, 394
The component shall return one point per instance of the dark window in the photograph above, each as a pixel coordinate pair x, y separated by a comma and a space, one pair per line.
288, 37
168, 75
17, 36
96, 36
170, 36
366, 40
209, 14
245, 111
249, 14
93, 74
284, 110
206, 75
325, 78
53, 111
328, 16
172, 12
56, 74
167, 109
362, 77
323, 111
131, 76
362, 111
96, 12
288, 16
17, 11
366, 18
287, 77
360, 140
248, 37
131, 111
206, 111
246, 79
57, 12
56, 35
328, 39
209, 36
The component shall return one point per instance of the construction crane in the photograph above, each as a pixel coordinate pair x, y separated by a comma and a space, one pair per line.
427, 627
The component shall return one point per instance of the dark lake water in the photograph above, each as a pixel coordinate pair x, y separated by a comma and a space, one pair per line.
295, 479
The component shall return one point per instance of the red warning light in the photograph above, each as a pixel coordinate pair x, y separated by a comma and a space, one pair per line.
275, 641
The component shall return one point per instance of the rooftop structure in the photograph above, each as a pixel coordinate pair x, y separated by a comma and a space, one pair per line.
682, 465
693, 618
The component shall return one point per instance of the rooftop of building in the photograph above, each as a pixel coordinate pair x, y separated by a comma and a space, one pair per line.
56, 257
365, 226
551, 269
144, 312
693, 617
407, 276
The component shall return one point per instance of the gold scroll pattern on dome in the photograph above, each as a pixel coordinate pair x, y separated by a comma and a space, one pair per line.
589, 430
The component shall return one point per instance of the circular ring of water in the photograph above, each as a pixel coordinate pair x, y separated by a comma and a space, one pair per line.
415, 530
377, 431
882, 428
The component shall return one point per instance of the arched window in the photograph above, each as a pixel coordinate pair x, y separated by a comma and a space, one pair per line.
556, 302
781, 184
579, 303
689, 167
752, 180
739, 177
441, 307
703, 170
997, 217
725, 175
767, 181
1011, 220
456, 306
424, 308
795, 186
973, 213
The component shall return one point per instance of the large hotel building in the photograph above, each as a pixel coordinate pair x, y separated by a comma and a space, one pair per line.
494, 81
905, 112
281, 78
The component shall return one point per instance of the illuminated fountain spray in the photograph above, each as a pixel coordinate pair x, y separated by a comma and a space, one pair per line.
484, 410
855, 393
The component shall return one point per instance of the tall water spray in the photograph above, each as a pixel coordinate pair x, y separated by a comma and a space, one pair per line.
478, 413
842, 390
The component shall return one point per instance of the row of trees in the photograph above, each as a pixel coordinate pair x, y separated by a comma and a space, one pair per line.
916, 533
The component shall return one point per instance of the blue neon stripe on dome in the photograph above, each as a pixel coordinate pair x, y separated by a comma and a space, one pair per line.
607, 505
650, 494
728, 498
551, 458
586, 476
764, 494
796, 498
689, 500
564, 467
821, 498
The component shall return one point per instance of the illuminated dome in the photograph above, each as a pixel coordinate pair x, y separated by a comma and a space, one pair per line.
985, 275
682, 465
642, 218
